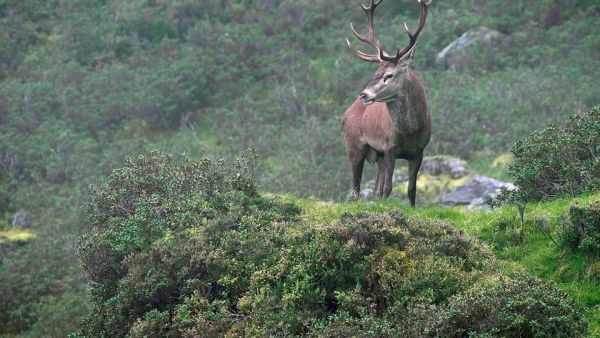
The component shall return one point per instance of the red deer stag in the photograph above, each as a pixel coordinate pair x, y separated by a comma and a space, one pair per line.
390, 118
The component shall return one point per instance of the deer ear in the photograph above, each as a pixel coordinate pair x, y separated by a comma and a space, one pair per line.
406, 59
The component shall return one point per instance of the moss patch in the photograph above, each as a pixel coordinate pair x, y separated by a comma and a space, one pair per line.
16, 235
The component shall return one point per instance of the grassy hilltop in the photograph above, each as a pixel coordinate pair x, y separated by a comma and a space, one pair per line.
533, 254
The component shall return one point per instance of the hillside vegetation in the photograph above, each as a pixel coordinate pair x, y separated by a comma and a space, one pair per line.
103, 79
193, 249
86, 83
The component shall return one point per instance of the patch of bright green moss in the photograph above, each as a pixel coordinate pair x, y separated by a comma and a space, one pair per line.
16, 235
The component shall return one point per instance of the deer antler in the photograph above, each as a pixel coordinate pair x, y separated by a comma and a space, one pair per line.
372, 40
413, 36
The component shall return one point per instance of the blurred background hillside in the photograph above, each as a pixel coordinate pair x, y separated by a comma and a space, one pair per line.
84, 83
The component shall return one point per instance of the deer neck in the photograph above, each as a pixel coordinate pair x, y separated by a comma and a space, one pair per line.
405, 108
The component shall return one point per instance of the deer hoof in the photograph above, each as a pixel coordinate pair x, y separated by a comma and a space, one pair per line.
353, 196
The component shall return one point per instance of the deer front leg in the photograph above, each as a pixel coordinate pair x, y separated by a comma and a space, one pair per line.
390, 163
380, 177
357, 169
413, 171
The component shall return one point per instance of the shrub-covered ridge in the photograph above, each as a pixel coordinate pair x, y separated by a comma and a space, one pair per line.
192, 249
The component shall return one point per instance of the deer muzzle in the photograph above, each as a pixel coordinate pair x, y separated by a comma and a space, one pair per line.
366, 98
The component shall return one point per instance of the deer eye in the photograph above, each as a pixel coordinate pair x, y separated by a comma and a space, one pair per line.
387, 77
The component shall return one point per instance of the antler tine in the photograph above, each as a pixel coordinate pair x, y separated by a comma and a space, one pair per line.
371, 38
412, 36
362, 55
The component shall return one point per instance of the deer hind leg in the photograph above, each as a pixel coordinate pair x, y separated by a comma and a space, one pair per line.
413, 170
389, 163
380, 177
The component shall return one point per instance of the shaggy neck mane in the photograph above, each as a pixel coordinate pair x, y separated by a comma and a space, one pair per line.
408, 101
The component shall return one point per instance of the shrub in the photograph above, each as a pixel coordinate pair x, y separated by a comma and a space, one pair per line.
514, 306
559, 160
369, 267
160, 229
583, 231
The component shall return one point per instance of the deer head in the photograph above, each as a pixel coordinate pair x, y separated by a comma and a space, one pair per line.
392, 72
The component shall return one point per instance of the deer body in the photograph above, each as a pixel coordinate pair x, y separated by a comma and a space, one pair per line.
390, 119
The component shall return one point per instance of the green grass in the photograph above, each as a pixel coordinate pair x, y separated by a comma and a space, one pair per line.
534, 254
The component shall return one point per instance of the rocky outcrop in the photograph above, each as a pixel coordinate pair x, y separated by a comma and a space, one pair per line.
476, 192
456, 55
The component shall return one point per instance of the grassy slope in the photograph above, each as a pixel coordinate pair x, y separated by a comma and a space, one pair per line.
537, 254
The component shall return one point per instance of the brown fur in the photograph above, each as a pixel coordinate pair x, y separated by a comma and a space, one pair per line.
399, 128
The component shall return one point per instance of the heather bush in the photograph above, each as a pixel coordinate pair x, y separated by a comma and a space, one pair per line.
561, 160
582, 231
515, 306
160, 230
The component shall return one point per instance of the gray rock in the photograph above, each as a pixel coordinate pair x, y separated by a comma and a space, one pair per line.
21, 218
437, 166
456, 56
476, 192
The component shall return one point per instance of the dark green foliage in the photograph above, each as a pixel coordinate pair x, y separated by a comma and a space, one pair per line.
561, 160
4, 200
583, 231
191, 249
511, 307
369, 268
59, 315
160, 230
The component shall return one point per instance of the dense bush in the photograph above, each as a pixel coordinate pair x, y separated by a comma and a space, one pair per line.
511, 307
191, 249
561, 160
161, 230
583, 231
